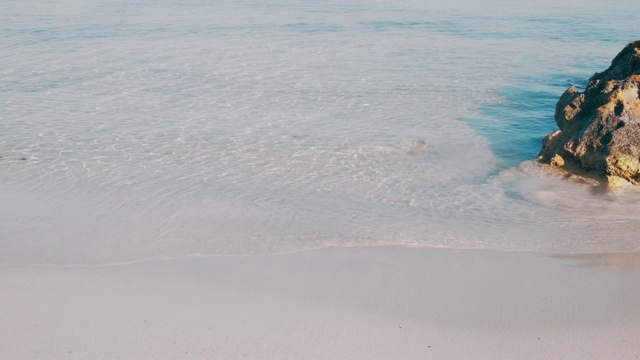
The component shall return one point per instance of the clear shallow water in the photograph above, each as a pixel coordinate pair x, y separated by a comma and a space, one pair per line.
155, 129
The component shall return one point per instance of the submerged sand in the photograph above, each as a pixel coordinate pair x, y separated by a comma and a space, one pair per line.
340, 303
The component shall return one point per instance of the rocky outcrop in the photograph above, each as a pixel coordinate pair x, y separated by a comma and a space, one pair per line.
600, 128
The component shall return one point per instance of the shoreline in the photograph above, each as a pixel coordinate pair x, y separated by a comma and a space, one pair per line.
631, 256
332, 303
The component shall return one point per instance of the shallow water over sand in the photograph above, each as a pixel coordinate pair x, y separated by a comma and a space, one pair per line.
140, 130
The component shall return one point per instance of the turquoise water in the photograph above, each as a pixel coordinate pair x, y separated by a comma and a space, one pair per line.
134, 130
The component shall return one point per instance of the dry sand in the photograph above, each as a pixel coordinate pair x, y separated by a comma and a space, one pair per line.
353, 303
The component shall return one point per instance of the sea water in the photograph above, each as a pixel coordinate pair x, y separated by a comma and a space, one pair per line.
142, 129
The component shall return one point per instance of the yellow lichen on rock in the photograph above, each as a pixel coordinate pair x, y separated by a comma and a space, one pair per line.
557, 160
615, 182
624, 166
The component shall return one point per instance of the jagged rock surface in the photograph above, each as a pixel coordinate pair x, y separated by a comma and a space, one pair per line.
600, 128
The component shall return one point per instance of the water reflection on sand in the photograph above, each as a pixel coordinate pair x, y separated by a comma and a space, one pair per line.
620, 262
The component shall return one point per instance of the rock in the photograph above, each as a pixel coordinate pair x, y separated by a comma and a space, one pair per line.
599, 132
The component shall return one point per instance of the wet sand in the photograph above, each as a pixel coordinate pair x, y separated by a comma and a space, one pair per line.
337, 303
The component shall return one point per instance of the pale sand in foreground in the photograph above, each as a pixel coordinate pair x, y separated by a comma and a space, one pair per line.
358, 303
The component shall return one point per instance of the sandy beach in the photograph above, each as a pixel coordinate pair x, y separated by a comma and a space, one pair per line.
337, 303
